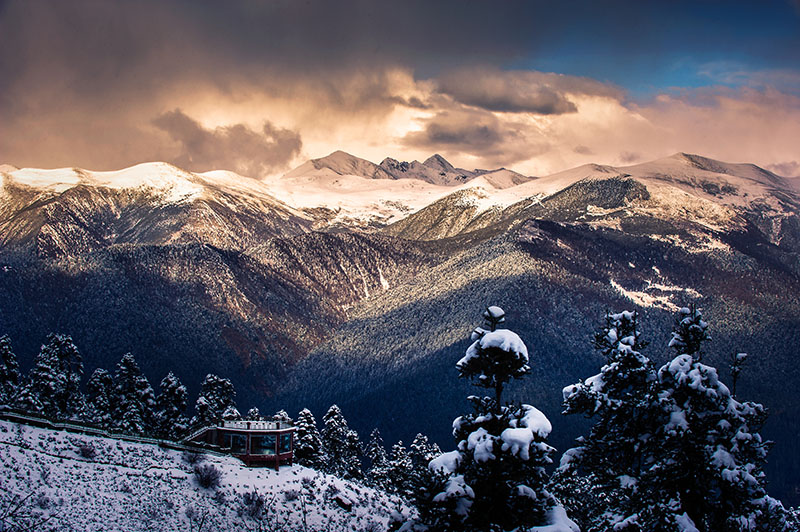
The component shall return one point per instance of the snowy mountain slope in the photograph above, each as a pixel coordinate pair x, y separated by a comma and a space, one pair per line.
503, 178
347, 200
68, 211
196, 309
682, 187
85, 482
393, 360
344, 191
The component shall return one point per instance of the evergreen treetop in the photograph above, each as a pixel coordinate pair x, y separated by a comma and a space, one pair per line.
216, 396
55, 378
134, 396
495, 479
308, 447
171, 404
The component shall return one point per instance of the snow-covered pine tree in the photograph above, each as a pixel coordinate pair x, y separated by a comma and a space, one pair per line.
55, 379
496, 476
308, 447
216, 396
99, 388
231, 413
134, 398
282, 416
689, 332
254, 414
708, 468
353, 467
607, 465
421, 452
170, 407
9, 371
399, 470
378, 472
342, 445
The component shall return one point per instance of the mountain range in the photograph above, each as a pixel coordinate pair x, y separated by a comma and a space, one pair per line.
358, 283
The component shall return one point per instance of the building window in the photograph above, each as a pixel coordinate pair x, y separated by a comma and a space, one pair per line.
263, 444
286, 443
237, 443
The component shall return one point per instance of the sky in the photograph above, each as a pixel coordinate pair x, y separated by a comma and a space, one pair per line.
258, 87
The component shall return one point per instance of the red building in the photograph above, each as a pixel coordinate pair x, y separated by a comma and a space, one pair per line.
254, 442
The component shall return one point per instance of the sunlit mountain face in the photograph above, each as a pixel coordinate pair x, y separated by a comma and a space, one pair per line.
317, 200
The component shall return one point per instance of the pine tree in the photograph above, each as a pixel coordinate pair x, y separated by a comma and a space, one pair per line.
341, 444
100, 388
308, 447
609, 463
9, 371
282, 416
495, 478
170, 407
708, 468
399, 470
135, 399
498, 360
352, 456
254, 415
216, 396
54, 381
231, 413
378, 472
421, 452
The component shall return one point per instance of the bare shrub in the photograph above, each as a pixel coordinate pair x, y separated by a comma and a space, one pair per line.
87, 450
193, 457
207, 476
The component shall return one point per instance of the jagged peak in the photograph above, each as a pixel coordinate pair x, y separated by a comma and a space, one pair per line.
439, 162
393, 164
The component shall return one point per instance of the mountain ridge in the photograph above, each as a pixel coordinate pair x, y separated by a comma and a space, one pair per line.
329, 288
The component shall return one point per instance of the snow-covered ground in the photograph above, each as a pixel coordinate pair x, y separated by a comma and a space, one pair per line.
128, 486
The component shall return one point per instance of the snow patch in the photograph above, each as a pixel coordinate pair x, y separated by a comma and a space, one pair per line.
656, 295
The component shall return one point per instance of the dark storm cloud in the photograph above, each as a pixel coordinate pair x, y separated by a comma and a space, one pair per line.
470, 132
478, 133
236, 147
518, 91
81, 80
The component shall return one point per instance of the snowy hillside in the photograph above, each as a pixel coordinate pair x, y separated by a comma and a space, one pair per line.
83, 482
714, 194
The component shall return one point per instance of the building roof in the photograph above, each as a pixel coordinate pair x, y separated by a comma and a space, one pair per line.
256, 425
245, 426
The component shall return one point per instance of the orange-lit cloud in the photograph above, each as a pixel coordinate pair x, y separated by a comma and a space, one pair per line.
263, 86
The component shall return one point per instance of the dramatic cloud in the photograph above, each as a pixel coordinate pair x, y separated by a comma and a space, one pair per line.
236, 147
519, 91
94, 83
479, 138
